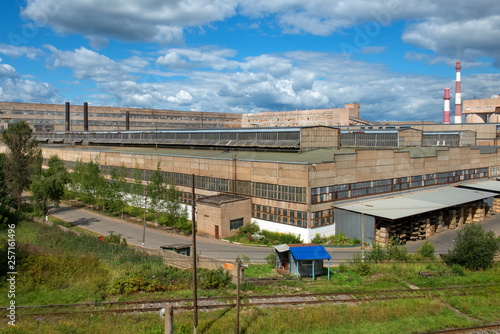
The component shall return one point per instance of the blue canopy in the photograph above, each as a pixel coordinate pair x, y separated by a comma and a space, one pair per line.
310, 253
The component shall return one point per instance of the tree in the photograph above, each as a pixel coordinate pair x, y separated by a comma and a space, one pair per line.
76, 178
474, 248
173, 215
93, 185
5, 199
116, 193
156, 189
22, 162
137, 192
49, 185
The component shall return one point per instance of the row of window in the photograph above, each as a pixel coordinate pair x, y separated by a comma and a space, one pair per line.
292, 217
255, 189
279, 215
351, 190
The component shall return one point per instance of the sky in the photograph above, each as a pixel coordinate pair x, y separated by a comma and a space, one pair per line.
393, 57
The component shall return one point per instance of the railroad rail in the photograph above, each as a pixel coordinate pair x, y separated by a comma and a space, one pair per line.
180, 304
495, 328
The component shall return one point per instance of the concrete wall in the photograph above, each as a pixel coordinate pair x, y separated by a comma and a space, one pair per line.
410, 137
319, 137
328, 117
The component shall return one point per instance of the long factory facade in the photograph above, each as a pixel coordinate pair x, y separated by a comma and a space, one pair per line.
299, 180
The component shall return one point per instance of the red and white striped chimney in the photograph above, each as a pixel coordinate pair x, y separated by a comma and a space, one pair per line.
446, 118
458, 96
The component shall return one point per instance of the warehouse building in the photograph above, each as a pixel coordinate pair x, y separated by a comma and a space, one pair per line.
302, 180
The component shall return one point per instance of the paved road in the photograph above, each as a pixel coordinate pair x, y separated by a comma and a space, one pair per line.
103, 225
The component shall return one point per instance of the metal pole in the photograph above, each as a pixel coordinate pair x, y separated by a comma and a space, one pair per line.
144, 225
193, 233
238, 266
362, 236
169, 319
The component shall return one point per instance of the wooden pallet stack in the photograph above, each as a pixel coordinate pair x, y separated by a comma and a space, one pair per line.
478, 213
468, 213
452, 219
439, 221
496, 204
460, 218
382, 236
487, 210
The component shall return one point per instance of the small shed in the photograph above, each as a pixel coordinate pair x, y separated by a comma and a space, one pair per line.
183, 249
305, 260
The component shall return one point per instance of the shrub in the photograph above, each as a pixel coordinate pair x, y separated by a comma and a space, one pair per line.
281, 238
474, 248
271, 258
427, 250
359, 266
458, 270
317, 239
214, 279
249, 228
376, 254
397, 252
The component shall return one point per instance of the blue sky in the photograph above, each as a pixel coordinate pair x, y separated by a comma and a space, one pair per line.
394, 57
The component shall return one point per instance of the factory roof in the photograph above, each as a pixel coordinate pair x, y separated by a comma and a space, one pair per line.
414, 203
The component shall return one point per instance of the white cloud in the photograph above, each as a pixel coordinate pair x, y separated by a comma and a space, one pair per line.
153, 20
180, 58
18, 51
14, 88
182, 97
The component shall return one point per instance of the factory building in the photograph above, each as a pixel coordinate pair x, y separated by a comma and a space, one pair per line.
302, 180
68, 117
482, 110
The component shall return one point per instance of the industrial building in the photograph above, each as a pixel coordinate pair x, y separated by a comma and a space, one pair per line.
482, 110
304, 180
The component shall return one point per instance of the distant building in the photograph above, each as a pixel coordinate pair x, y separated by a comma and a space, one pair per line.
482, 110
349, 115
51, 117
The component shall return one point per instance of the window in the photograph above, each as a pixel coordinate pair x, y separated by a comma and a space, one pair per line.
235, 224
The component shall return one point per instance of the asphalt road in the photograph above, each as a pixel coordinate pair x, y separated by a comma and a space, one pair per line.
95, 222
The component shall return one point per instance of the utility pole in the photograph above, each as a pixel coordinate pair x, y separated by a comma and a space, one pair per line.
238, 267
144, 225
193, 233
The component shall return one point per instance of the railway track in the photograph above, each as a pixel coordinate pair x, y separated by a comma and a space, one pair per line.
180, 304
488, 329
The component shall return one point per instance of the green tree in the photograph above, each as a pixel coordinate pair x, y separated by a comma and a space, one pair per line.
22, 162
474, 248
76, 178
93, 185
49, 185
137, 193
116, 195
173, 213
156, 189
5, 199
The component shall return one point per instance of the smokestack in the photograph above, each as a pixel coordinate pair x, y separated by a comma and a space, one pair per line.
127, 120
446, 98
458, 96
66, 114
85, 116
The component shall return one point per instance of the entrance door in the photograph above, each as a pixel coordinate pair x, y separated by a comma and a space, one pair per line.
216, 231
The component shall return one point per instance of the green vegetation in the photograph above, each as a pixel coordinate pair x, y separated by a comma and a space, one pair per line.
335, 240
22, 161
250, 233
60, 267
474, 248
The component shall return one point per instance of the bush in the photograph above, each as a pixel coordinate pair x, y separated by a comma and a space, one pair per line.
271, 258
317, 239
458, 270
474, 248
214, 279
427, 250
249, 228
359, 266
397, 252
376, 254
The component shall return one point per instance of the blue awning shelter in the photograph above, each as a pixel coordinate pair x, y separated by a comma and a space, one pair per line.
308, 260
